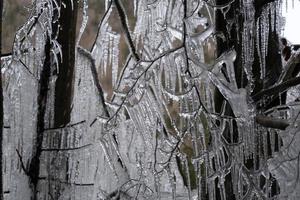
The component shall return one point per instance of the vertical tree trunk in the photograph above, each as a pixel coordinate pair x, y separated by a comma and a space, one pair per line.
64, 87
64, 82
1, 107
34, 167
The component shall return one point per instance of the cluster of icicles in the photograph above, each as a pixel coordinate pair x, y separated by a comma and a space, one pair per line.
163, 135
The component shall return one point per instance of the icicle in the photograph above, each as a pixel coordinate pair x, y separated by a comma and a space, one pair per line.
258, 47
188, 177
108, 158
263, 46
85, 18
115, 58
273, 16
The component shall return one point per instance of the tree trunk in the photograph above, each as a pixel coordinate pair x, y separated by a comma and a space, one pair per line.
64, 83
1, 107
34, 168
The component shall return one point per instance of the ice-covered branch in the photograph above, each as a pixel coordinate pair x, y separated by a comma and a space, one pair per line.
275, 90
151, 63
270, 122
67, 149
124, 23
95, 78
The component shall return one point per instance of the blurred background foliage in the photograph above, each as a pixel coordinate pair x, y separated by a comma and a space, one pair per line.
16, 13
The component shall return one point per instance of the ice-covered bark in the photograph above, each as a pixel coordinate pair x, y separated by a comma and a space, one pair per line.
1, 108
20, 81
21, 73
156, 130
79, 161
285, 164
20, 109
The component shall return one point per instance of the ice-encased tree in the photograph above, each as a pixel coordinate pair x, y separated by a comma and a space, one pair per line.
1, 109
194, 108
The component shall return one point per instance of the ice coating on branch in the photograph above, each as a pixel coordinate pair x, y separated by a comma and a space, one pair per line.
285, 164
106, 48
21, 74
176, 96
20, 108
158, 131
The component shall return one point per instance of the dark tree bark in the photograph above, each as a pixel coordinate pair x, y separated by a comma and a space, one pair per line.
64, 82
273, 65
34, 168
233, 40
227, 41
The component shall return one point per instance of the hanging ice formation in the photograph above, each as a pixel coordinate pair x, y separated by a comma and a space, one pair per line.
157, 130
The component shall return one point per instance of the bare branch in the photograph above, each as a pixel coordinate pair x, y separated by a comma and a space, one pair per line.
270, 122
66, 149
275, 90
124, 22
22, 163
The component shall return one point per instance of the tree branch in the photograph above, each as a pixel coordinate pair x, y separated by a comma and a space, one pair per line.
22, 163
276, 89
124, 22
270, 122
95, 77
67, 149
289, 69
